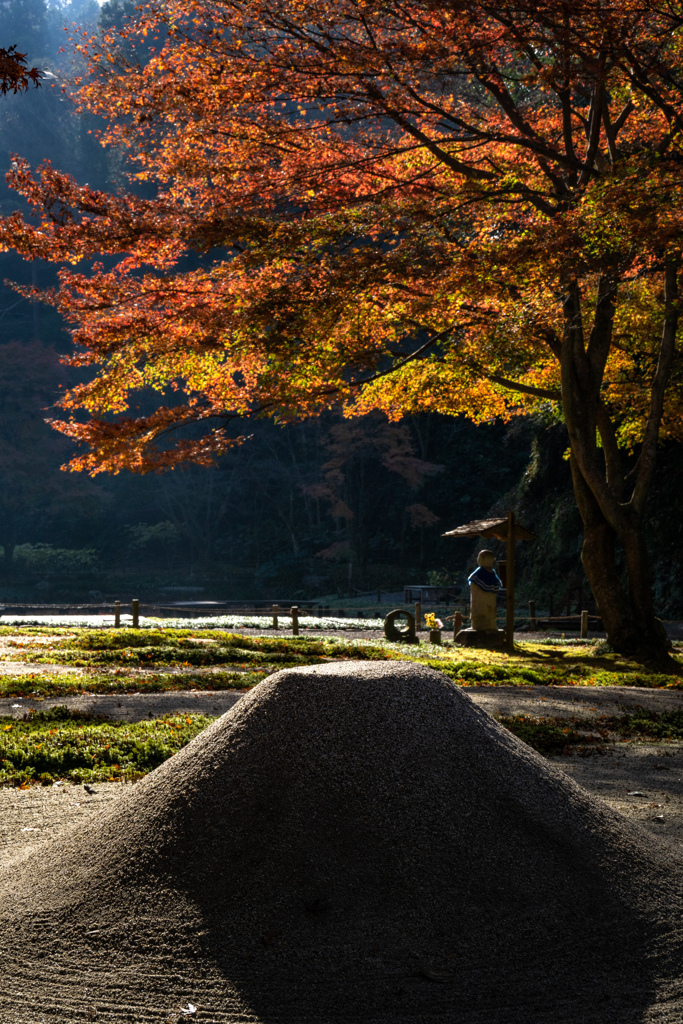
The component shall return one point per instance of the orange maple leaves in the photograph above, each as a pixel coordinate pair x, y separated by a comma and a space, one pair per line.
15, 75
374, 206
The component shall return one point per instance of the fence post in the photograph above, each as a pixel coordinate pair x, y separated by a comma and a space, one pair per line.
532, 614
457, 623
295, 620
117, 614
276, 609
418, 616
584, 624
136, 613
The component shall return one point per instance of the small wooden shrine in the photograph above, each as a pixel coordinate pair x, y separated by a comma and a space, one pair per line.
508, 530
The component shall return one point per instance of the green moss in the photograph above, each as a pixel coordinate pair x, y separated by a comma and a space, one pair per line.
547, 736
185, 647
121, 681
561, 735
76, 747
668, 725
122, 660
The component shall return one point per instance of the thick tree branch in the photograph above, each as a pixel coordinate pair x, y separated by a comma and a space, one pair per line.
525, 389
613, 461
567, 132
609, 130
623, 116
594, 123
584, 416
600, 340
392, 369
667, 349
432, 147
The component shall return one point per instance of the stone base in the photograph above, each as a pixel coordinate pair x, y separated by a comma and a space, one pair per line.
493, 639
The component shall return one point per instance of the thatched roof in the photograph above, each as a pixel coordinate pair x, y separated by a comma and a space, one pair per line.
497, 528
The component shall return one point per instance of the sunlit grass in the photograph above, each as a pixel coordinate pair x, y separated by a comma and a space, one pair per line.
64, 745
66, 684
71, 747
127, 660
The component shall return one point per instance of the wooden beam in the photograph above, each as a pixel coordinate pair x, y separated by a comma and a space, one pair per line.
510, 584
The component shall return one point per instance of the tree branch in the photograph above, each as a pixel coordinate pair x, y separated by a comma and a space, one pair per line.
594, 122
613, 463
609, 130
621, 120
648, 453
441, 155
600, 340
525, 389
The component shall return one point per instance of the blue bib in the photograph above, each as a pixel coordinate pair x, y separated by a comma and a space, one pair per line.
485, 579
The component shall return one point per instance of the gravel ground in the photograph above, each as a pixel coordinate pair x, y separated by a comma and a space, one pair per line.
545, 701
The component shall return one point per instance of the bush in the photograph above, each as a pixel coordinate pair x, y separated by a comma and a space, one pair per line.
44, 558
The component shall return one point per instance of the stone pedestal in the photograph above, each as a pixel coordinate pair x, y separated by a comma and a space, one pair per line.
483, 608
492, 639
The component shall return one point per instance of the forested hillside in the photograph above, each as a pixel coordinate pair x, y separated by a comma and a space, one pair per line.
323, 507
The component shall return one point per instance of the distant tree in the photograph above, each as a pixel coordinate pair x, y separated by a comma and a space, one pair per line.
33, 493
364, 456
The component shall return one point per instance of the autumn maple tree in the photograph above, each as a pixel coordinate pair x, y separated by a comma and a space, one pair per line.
15, 74
465, 207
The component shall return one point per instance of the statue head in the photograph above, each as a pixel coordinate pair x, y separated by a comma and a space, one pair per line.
486, 559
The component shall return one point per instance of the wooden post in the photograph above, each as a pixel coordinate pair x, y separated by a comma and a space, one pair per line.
418, 616
510, 585
584, 624
295, 620
457, 623
532, 614
117, 614
276, 609
136, 613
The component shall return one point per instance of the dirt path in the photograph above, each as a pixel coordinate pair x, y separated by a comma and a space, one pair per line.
130, 707
545, 701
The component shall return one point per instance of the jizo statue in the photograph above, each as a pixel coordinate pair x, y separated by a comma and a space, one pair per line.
484, 584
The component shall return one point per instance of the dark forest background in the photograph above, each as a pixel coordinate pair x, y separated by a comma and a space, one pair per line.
320, 509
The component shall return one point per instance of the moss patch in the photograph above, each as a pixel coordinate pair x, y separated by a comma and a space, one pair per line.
77, 747
127, 660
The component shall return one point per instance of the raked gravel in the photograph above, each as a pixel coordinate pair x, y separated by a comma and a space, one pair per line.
351, 842
544, 701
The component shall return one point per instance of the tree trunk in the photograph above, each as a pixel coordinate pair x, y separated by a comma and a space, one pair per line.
612, 518
627, 612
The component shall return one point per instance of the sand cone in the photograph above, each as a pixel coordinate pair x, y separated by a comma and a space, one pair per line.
354, 842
